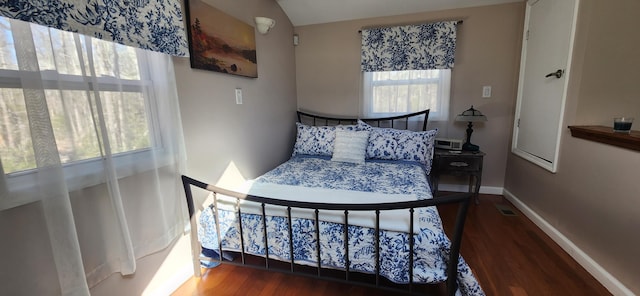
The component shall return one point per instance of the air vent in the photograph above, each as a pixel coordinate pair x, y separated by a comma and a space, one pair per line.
506, 210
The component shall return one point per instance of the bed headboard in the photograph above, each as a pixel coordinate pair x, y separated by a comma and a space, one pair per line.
399, 121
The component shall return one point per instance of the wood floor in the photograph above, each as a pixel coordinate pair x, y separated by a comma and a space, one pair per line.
508, 254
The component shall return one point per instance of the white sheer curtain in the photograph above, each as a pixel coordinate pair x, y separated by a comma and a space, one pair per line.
389, 93
90, 134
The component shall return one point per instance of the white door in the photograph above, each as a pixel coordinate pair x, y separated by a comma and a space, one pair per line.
546, 55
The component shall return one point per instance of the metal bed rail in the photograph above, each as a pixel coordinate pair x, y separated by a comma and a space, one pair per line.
462, 199
390, 121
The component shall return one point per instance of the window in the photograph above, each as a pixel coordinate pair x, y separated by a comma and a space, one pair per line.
391, 93
98, 94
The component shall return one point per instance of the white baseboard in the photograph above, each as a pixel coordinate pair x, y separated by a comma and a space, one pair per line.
465, 188
172, 284
605, 278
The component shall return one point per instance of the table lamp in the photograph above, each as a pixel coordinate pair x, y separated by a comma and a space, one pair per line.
470, 115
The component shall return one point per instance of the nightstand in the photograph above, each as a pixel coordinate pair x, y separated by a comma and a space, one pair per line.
458, 163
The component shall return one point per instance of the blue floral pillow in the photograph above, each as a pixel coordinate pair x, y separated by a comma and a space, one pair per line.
317, 140
394, 144
363, 126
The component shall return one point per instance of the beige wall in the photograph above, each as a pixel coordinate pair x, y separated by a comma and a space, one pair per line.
488, 53
256, 135
594, 198
611, 77
28, 266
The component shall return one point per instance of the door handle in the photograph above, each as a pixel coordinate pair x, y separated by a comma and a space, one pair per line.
557, 74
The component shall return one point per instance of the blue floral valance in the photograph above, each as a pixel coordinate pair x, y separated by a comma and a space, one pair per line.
411, 47
148, 24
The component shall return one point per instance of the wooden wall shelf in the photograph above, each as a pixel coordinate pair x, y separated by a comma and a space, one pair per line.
606, 135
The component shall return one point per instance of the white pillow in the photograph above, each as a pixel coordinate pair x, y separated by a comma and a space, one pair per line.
350, 146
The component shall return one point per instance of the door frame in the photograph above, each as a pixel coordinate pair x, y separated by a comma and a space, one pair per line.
553, 165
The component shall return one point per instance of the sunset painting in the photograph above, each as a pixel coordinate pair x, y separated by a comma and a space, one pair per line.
219, 42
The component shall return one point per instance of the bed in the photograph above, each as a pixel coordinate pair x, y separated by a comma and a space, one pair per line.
359, 185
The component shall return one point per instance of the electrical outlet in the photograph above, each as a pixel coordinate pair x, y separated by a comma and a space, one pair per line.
238, 96
486, 91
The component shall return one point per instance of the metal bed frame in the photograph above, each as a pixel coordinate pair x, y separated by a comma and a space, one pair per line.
391, 121
463, 200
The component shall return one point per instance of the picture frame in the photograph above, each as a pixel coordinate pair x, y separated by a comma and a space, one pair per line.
219, 42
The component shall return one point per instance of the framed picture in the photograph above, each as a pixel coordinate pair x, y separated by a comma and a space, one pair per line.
219, 42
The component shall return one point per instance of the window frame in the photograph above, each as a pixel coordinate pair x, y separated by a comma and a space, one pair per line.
444, 94
89, 172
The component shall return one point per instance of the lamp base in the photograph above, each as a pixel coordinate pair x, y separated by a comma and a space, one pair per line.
467, 146
470, 147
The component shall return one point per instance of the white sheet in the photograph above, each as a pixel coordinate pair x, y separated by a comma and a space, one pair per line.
392, 220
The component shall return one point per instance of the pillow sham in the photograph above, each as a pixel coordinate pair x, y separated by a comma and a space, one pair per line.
394, 144
363, 126
350, 146
316, 140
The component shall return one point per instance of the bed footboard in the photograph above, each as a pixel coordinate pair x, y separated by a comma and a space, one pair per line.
451, 283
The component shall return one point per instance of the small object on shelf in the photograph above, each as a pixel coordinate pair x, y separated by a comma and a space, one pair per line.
622, 124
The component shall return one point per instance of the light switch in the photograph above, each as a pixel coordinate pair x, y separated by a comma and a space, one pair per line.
238, 96
486, 91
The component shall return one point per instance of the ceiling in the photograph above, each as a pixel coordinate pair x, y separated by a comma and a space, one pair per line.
308, 12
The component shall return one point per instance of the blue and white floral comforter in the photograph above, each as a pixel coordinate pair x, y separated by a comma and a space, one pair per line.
396, 178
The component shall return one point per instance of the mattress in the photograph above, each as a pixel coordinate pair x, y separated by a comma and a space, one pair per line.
317, 179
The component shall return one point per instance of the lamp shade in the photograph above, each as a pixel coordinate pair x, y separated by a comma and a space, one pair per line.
471, 115
264, 24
